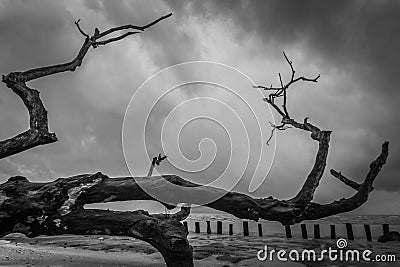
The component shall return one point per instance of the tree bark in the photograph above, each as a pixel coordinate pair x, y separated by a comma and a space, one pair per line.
56, 208
52, 208
38, 133
20, 198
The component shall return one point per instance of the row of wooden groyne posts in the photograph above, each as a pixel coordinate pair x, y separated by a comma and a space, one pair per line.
288, 230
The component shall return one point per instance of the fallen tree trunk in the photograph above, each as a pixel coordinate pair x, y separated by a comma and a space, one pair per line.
21, 199
55, 208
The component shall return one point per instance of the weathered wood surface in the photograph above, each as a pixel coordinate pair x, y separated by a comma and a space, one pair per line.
56, 208
20, 198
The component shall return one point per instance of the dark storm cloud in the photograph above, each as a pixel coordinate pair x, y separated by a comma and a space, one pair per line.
360, 38
356, 39
38, 33
357, 33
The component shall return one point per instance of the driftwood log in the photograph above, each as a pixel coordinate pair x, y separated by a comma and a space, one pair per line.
57, 207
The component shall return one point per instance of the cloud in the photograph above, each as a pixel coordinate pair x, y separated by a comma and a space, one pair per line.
169, 43
36, 171
353, 44
37, 33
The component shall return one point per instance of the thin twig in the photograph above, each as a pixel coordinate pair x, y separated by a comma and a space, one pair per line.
122, 36
80, 29
276, 127
282, 90
131, 27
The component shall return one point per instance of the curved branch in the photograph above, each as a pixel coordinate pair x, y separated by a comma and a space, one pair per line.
303, 199
281, 127
90, 41
306, 193
38, 133
19, 198
80, 29
167, 235
55, 208
316, 211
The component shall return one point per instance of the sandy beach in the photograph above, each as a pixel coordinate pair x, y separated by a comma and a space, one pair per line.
209, 250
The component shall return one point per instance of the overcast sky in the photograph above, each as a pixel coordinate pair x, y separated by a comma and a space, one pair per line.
352, 44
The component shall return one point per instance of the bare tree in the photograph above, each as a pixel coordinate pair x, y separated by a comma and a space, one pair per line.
56, 207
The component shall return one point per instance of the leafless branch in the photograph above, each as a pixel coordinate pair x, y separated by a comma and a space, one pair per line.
276, 127
105, 189
316, 211
80, 29
282, 90
305, 195
345, 180
271, 102
38, 133
122, 36
131, 27
98, 35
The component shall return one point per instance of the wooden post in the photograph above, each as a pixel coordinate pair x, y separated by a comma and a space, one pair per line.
219, 228
385, 228
367, 229
349, 230
230, 229
245, 228
304, 231
186, 225
317, 231
260, 230
288, 231
197, 227
208, 228
333, 231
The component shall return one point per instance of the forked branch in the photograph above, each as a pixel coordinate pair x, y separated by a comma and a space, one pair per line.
281, 91
38, 132
58, 207
302, 201
316, 211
